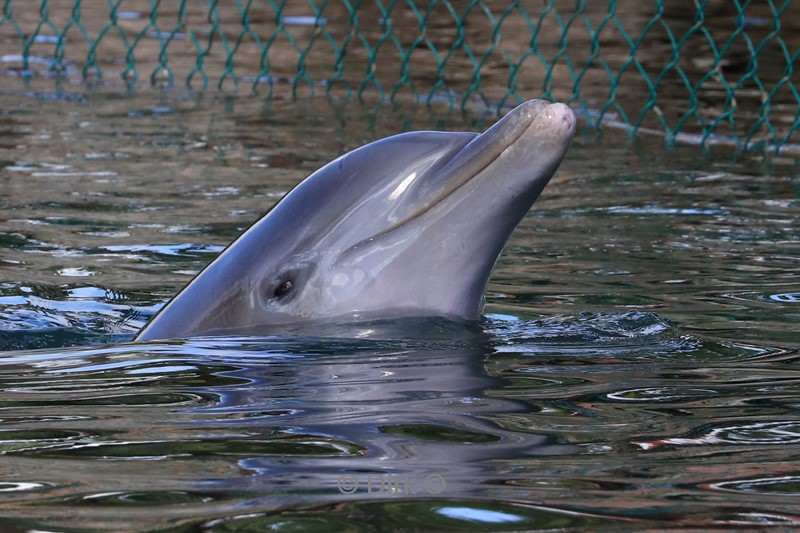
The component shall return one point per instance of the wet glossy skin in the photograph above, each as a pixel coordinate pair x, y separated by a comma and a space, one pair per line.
410, 225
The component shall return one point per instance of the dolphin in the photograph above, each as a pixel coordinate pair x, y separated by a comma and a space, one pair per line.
407, 226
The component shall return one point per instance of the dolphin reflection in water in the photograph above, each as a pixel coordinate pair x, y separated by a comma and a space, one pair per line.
420, 419
407, 226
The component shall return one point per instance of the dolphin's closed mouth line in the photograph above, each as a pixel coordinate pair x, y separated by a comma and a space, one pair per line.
517, 131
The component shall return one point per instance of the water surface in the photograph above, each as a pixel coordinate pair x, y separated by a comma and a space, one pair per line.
637, 367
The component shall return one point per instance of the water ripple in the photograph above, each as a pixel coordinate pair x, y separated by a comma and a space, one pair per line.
607, 335
785, 485
752, 434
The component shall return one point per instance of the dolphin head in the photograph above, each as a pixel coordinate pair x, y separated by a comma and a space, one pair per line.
408, 226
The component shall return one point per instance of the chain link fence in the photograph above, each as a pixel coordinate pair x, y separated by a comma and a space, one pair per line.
713, 71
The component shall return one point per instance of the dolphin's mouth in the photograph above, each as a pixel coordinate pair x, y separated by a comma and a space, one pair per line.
484, 149
468, 162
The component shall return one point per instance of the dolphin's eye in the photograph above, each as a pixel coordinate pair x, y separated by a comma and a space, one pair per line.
283, 289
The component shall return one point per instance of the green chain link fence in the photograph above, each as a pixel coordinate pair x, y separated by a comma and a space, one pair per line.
707, 71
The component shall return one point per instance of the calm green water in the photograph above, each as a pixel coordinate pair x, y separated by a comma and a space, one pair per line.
638, 366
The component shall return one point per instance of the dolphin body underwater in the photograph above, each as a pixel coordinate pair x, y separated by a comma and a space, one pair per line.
407, 226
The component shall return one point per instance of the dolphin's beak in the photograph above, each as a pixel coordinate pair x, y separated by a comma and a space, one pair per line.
531, 126
534, 135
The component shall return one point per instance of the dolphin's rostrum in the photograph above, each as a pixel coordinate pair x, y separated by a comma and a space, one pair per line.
408, 226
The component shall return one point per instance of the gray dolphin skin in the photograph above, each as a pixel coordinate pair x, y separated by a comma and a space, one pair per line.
407, 226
